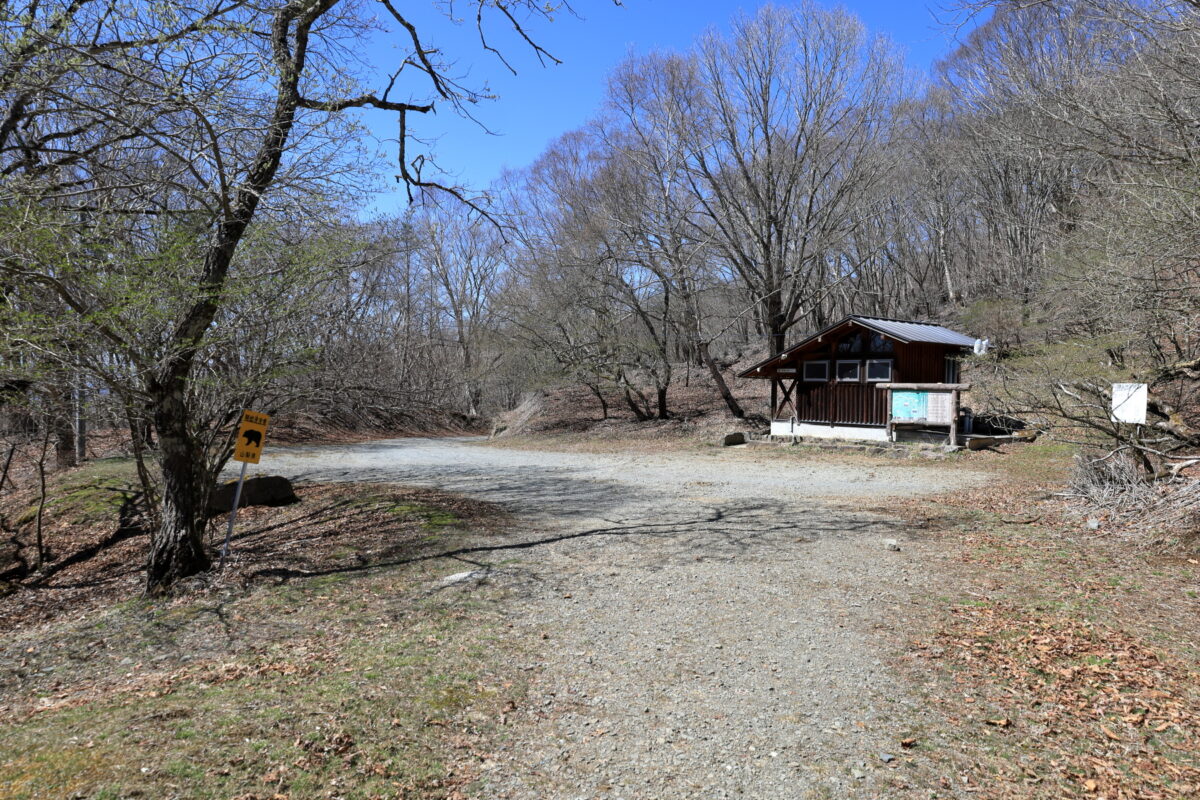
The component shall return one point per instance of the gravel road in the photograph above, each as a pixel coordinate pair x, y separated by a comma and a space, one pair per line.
698, 624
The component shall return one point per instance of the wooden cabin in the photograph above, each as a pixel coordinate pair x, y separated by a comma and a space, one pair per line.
867, 378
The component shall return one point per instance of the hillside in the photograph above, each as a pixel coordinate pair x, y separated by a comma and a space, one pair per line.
696, 410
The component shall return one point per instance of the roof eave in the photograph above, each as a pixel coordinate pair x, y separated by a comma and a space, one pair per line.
748, 373
866, 324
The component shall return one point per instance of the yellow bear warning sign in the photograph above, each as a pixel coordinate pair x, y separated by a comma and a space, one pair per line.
251, 433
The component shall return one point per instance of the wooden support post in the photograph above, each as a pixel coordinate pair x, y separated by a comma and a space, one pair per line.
954, 418
774, 397
891, 434
788, 397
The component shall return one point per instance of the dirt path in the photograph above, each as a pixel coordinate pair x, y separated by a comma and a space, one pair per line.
702, 624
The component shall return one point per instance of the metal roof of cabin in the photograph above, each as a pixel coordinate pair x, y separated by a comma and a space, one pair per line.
909, 332
902, 330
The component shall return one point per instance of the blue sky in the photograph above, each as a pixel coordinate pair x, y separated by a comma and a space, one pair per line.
539, 103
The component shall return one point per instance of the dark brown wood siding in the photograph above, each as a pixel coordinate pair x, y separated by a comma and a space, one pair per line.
923, 363
842, 403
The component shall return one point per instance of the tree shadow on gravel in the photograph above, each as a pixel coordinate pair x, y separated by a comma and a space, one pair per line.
524, 490
755, 529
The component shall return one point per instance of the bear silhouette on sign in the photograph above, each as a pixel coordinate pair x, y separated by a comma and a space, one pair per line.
253, 438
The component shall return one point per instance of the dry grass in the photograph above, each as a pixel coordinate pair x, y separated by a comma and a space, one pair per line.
696, 411
321, 664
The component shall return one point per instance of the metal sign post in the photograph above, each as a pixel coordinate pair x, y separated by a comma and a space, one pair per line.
247, 449
237, 499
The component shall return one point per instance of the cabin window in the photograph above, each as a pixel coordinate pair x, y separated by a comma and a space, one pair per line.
951, 369
849, 371
881, 344
816, 371
879, 370
851, 344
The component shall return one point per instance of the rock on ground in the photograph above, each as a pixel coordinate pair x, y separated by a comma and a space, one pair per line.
263, 490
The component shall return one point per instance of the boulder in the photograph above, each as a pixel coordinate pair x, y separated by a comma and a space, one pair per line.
734, 438
265, 490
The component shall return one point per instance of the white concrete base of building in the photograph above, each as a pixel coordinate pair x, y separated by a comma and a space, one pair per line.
812, 430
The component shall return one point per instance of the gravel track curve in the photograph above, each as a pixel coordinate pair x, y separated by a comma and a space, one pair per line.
701, 624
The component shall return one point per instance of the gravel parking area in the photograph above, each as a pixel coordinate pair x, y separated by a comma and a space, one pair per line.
698, 624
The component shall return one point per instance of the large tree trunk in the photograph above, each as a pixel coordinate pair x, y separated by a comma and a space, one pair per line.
64, 428
65, 455
778, 341
719, 379
471, 390
12, 449
81, 427
777, 325
600, 396
177, 544
663, 411
638, 411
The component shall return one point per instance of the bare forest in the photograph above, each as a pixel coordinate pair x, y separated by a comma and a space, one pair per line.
595, 476
182, 237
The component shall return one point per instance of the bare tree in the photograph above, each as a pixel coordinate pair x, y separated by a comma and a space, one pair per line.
789, 124
653, 209
119, 117
464, 255
571, 294
1101, 91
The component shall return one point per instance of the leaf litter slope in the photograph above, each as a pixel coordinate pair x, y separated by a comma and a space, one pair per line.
1065, 656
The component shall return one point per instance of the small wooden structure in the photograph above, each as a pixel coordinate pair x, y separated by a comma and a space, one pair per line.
867, 378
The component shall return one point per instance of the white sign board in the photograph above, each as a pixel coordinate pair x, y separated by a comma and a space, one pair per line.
1129, 403
937, 408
